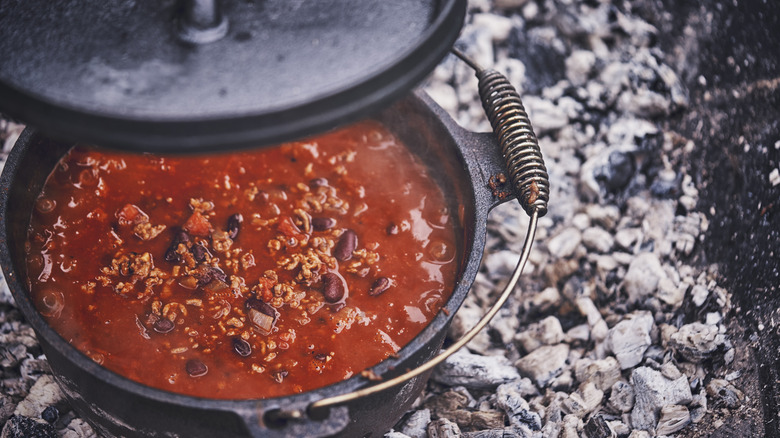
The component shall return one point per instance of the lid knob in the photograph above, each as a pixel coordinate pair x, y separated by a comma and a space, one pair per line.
201, 21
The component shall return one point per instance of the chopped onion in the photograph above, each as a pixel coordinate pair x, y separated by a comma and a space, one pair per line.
262, 322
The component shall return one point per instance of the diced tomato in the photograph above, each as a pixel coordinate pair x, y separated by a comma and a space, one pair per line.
131, 214
198, 225
289, 229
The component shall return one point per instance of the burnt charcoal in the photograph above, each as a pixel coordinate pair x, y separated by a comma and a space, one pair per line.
617, 173
544, 64
597, 427
50, 414
667, 185
20, 426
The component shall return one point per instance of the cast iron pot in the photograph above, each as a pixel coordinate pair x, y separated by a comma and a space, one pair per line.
463, 162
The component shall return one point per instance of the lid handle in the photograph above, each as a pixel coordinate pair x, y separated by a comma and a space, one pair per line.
201, 21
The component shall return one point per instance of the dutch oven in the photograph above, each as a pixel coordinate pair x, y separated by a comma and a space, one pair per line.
472, 166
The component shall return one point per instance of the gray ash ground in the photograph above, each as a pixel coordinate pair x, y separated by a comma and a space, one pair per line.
623, 324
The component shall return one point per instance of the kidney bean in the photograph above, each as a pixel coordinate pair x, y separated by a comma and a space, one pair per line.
242, 347
199, 252
318, 182
260, 305
181, 236
322, 223
380, 285
163, 325
171, 255
196, 368
332, 287
346, 244
234, 225
392, 229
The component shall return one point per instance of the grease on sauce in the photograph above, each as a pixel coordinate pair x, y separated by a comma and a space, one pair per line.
247, 275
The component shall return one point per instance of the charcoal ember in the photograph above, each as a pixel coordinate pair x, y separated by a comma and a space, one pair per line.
615, 174
21, 426
7, 407
12, 354
584, 401
571, 427
697, 341
15, 388
416, 426
672, 419
443, 428
564, 243
449, 401
78, 428
597, 239
644, 274
629, 339
541, 53
597, 427
622, 397
487, 419
603, 373
653, 391
475, 371
44, 393
544, 363
510, 398
546, 332
34, 368
517, 431
724, 393
667, 184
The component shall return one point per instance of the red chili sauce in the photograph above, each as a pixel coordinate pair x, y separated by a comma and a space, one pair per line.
246, 275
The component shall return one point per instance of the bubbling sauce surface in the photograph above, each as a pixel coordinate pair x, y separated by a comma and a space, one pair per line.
246, 275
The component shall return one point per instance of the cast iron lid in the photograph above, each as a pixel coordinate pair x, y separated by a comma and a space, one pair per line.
198, 75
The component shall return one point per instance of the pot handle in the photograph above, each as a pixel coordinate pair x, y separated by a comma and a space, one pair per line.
530, 184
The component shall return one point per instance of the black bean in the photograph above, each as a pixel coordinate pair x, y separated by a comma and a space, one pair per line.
196, 368
322, 223
392, 229
163, 325
234, 225
181, 236
242, 347
318, 182
199, 252
217, 274
332, 287
260, 305
346, 244
50, 414
171, 255
380, 285
322, 357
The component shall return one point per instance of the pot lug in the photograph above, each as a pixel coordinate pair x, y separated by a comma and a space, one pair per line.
294, 421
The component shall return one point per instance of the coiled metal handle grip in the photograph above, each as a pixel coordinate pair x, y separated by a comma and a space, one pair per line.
519, 145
